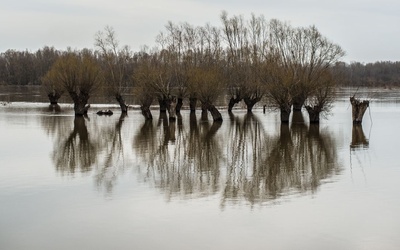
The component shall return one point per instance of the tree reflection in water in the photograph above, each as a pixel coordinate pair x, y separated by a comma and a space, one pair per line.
244, 162
178, 161
296, 160
75, 150
240, 159
113, 154
358, 138
101, 146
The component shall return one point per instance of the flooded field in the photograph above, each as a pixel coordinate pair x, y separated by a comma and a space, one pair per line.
118, 182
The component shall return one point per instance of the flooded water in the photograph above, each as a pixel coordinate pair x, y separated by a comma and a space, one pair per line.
118, 182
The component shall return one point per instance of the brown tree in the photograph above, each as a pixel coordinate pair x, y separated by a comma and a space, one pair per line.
116, 64
79, 74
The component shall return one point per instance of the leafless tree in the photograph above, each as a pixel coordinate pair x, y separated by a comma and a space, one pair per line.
116, 63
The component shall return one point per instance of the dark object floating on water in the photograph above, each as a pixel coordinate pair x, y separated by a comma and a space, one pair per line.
105, 112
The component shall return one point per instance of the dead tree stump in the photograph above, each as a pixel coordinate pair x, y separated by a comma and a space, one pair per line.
358, 109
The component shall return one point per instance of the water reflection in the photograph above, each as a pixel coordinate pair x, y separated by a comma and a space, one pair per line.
113, 154
264, 168
183, 161
55, 108
358, 138
239, 160
75, 150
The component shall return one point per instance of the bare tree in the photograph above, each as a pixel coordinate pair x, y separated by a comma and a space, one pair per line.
79, 74
206, 76
116, 65
322, 96
143, 78
313, 55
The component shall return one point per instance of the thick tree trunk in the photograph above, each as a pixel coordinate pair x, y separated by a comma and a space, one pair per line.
285, 114
179, 105
232, 102
163, 102
216, 115
80, 103
122, 104
358, 109
204, 112
298, 102
146, 112
297, 106
192, 104
250, 102
313, 113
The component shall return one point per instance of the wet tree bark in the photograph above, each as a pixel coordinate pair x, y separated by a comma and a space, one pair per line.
250, 102
232, 102
80, 103
285, 114
179, 105
313, 113
216, 115
146, 112
163, 102
358, 109
122, 104
192, 104
298, 103
204, 112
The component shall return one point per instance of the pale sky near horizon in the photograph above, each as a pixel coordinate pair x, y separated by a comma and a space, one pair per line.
368, 30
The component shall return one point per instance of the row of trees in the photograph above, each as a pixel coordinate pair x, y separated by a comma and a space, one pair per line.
245, 59
378, 74
28, 68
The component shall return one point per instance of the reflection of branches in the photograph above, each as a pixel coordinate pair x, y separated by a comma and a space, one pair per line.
76, 149
55, 125
114, 152
247, 140
180, 161
294, 161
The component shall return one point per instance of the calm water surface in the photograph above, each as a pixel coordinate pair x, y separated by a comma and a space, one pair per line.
122, 183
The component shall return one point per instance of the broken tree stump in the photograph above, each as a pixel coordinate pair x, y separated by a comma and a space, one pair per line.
358, 109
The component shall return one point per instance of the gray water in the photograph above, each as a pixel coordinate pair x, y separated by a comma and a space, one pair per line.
121, 183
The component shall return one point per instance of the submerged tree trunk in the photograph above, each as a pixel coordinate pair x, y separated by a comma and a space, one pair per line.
53, 97
163, 102
298, 103
122, 104
80, 103
179, 105
232, 102
204, 112
358, 109
146, 112
250, 102
313, 113
285, 114
192, 104
216, 115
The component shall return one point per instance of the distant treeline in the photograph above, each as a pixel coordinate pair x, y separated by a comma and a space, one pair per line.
27, 68
377, 74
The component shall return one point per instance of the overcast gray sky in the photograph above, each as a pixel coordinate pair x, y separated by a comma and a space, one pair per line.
368, 30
